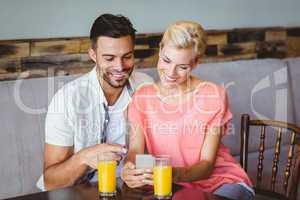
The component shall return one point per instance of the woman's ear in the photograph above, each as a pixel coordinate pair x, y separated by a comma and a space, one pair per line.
92, 54
197, 61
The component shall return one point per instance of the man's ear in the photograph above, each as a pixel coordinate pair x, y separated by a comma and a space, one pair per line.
92, 54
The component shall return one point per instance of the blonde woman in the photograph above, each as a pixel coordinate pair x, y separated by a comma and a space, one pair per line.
184, 117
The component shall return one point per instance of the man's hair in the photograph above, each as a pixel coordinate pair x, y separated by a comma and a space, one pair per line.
109, 25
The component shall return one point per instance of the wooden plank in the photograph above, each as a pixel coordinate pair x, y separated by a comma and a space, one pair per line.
62, 61
14, 50
293, 32
142, 39
237, 48
211, 50
34, 73
148, 62
85, 44
72, 71
293, 46
141, 46
213, 59
154, 40
10, 65
217, 39
246, 35
41, 48
144, 53
271, 49
10, 76
276, 35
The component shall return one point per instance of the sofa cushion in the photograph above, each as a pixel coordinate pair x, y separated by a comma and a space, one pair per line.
260, 88
294, 72
23, 107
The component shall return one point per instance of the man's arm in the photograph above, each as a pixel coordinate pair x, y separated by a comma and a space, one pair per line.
63, 168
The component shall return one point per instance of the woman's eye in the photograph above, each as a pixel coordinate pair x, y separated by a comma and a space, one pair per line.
184, 67
166, 61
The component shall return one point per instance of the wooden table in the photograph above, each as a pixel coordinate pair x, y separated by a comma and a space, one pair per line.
90, 192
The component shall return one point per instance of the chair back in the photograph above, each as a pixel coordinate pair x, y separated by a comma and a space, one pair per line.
292, 166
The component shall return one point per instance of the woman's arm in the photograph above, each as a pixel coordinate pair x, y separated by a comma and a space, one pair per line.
204, 168
136, 142
130, 175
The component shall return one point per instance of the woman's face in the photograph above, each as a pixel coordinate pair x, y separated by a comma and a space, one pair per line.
175, 65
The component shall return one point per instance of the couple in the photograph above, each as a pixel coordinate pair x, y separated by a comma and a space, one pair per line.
180, 115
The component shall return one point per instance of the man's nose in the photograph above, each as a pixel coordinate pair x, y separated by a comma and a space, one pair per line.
118, 65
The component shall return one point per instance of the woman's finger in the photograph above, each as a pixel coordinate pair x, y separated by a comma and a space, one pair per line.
147, 181
135, 184
148, 176
133, 178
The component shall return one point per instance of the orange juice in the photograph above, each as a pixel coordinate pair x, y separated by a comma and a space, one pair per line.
162, 177
107, 176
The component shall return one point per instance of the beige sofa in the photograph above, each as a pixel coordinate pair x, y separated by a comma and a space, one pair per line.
263, 88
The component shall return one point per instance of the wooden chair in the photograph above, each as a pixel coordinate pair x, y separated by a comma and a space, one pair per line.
289, 186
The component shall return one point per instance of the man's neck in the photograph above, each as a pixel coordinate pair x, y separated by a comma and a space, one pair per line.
111, 94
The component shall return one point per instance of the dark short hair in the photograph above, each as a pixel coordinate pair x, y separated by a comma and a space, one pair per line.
109, 25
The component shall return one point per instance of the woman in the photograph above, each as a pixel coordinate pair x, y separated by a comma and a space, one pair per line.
184, 117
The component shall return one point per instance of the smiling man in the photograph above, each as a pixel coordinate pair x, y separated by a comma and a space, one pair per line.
88, 115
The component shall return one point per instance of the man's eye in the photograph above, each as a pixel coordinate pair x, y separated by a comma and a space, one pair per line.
127, 57
109, 59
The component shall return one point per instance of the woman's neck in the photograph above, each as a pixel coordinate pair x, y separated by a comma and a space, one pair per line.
177, 90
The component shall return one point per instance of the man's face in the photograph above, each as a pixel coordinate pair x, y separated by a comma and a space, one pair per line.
114, 59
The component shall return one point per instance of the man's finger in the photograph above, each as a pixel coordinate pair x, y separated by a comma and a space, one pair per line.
116, 148
129, 165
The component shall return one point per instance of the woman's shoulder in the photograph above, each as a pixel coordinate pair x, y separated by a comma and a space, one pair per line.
204, 87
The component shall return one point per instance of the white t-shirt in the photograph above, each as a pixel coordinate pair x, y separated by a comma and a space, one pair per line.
76, 113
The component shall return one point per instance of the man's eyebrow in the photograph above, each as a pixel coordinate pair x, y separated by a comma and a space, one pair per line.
108, 55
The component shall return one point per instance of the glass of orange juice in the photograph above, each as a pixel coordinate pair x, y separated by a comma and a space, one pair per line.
106, 174
162, 177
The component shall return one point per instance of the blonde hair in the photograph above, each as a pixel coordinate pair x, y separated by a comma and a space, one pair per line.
186, 34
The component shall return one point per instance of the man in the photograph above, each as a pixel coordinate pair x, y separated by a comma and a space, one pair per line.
88, 115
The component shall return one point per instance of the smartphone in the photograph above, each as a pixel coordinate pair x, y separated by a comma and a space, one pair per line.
143, 161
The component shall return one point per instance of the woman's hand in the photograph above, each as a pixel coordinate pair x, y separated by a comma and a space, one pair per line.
136, 177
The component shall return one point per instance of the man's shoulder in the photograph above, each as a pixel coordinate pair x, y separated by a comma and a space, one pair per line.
70, 91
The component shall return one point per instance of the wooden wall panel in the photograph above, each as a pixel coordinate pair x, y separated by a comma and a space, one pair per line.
64, 56
41, 48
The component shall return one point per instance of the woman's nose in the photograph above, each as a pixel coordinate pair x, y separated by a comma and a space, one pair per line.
171, 71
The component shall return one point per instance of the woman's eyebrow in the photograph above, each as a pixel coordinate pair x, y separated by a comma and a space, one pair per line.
166, 57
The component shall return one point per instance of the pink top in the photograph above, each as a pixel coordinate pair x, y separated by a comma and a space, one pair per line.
180, 130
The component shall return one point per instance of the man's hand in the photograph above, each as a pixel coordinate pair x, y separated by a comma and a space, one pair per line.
136, 177
89, 155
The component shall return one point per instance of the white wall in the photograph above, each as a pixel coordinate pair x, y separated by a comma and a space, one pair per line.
62, 18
